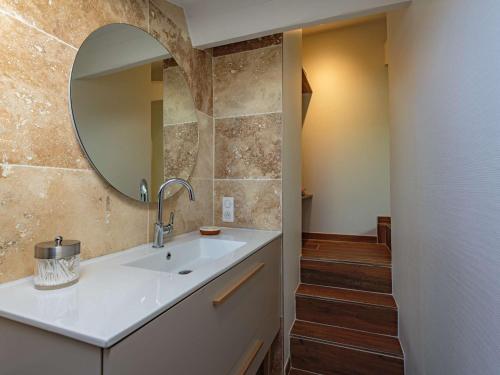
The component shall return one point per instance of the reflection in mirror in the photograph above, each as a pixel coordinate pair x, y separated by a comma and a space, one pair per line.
133, 111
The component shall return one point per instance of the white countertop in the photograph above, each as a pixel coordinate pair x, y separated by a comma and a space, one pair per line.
111, 300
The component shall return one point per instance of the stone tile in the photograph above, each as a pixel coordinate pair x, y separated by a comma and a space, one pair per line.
189, 216
35, 122
248, 83
257, 203
201, 80
178, 105
248, 147
204, 167
180, 150
73, 203
189, 151
73, 21
248, 45
168, 25
35, 129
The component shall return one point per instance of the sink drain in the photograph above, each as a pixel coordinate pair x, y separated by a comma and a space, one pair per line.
185, 272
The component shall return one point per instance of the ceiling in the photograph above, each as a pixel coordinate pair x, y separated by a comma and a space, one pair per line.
342, 23
218, 22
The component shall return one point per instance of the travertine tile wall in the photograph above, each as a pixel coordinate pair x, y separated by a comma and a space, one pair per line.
168, 25
180, 126
248, 131
46, 185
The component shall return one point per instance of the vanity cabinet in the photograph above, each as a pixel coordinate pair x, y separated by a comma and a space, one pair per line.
225, 327
216, 330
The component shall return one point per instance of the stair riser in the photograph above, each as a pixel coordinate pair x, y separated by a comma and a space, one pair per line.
347, 275
335, 360
367, 318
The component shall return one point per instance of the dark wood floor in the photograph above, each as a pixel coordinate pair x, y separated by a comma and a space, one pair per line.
346, 315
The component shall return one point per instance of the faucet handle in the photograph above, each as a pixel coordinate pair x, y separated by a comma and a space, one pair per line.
172, 217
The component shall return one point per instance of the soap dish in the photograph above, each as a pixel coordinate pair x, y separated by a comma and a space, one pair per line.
209, 231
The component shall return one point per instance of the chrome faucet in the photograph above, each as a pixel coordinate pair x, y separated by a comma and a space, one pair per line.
162, 230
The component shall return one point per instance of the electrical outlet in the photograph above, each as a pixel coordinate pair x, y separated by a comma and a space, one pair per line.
228, 209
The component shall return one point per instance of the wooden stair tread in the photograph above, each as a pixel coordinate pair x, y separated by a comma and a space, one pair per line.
346, 295
296, 371
354, 252
381, 344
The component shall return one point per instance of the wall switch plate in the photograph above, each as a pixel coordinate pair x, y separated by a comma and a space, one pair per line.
228, 209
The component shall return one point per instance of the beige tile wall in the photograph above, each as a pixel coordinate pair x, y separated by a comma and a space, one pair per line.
180, 127
248, 132
46, 185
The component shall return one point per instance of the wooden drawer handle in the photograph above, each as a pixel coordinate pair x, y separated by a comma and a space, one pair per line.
224, 296
252, 353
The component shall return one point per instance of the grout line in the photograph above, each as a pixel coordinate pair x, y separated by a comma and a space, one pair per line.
149, 16
213, 141
18, 18
181, 123
249, 115
247, 179
6, 164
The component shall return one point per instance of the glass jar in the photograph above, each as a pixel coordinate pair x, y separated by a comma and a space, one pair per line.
57, 263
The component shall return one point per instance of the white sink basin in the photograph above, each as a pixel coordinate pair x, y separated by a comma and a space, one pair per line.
187, 256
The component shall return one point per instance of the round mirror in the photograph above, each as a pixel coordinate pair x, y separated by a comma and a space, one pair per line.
133, 111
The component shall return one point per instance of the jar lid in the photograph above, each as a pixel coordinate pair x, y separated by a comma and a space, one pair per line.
57, 249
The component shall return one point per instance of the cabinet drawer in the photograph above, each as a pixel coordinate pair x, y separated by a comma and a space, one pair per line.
209, 331
250, 360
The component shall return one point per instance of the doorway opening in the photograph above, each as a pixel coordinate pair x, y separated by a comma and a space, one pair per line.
345, 134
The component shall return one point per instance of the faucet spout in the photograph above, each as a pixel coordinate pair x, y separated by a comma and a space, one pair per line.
160, 229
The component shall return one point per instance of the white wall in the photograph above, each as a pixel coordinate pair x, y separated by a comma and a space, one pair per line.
292, 122
345, 139
444, 79
218, 22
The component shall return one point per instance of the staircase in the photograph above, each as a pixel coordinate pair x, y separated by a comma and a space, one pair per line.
347, 320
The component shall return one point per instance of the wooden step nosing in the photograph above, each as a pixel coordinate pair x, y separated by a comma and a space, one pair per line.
348, 289
375, 246
342, 344
298, 293
346, 347
334, 260
348, 328
306, 371
330, 299
340, 237
352, 262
